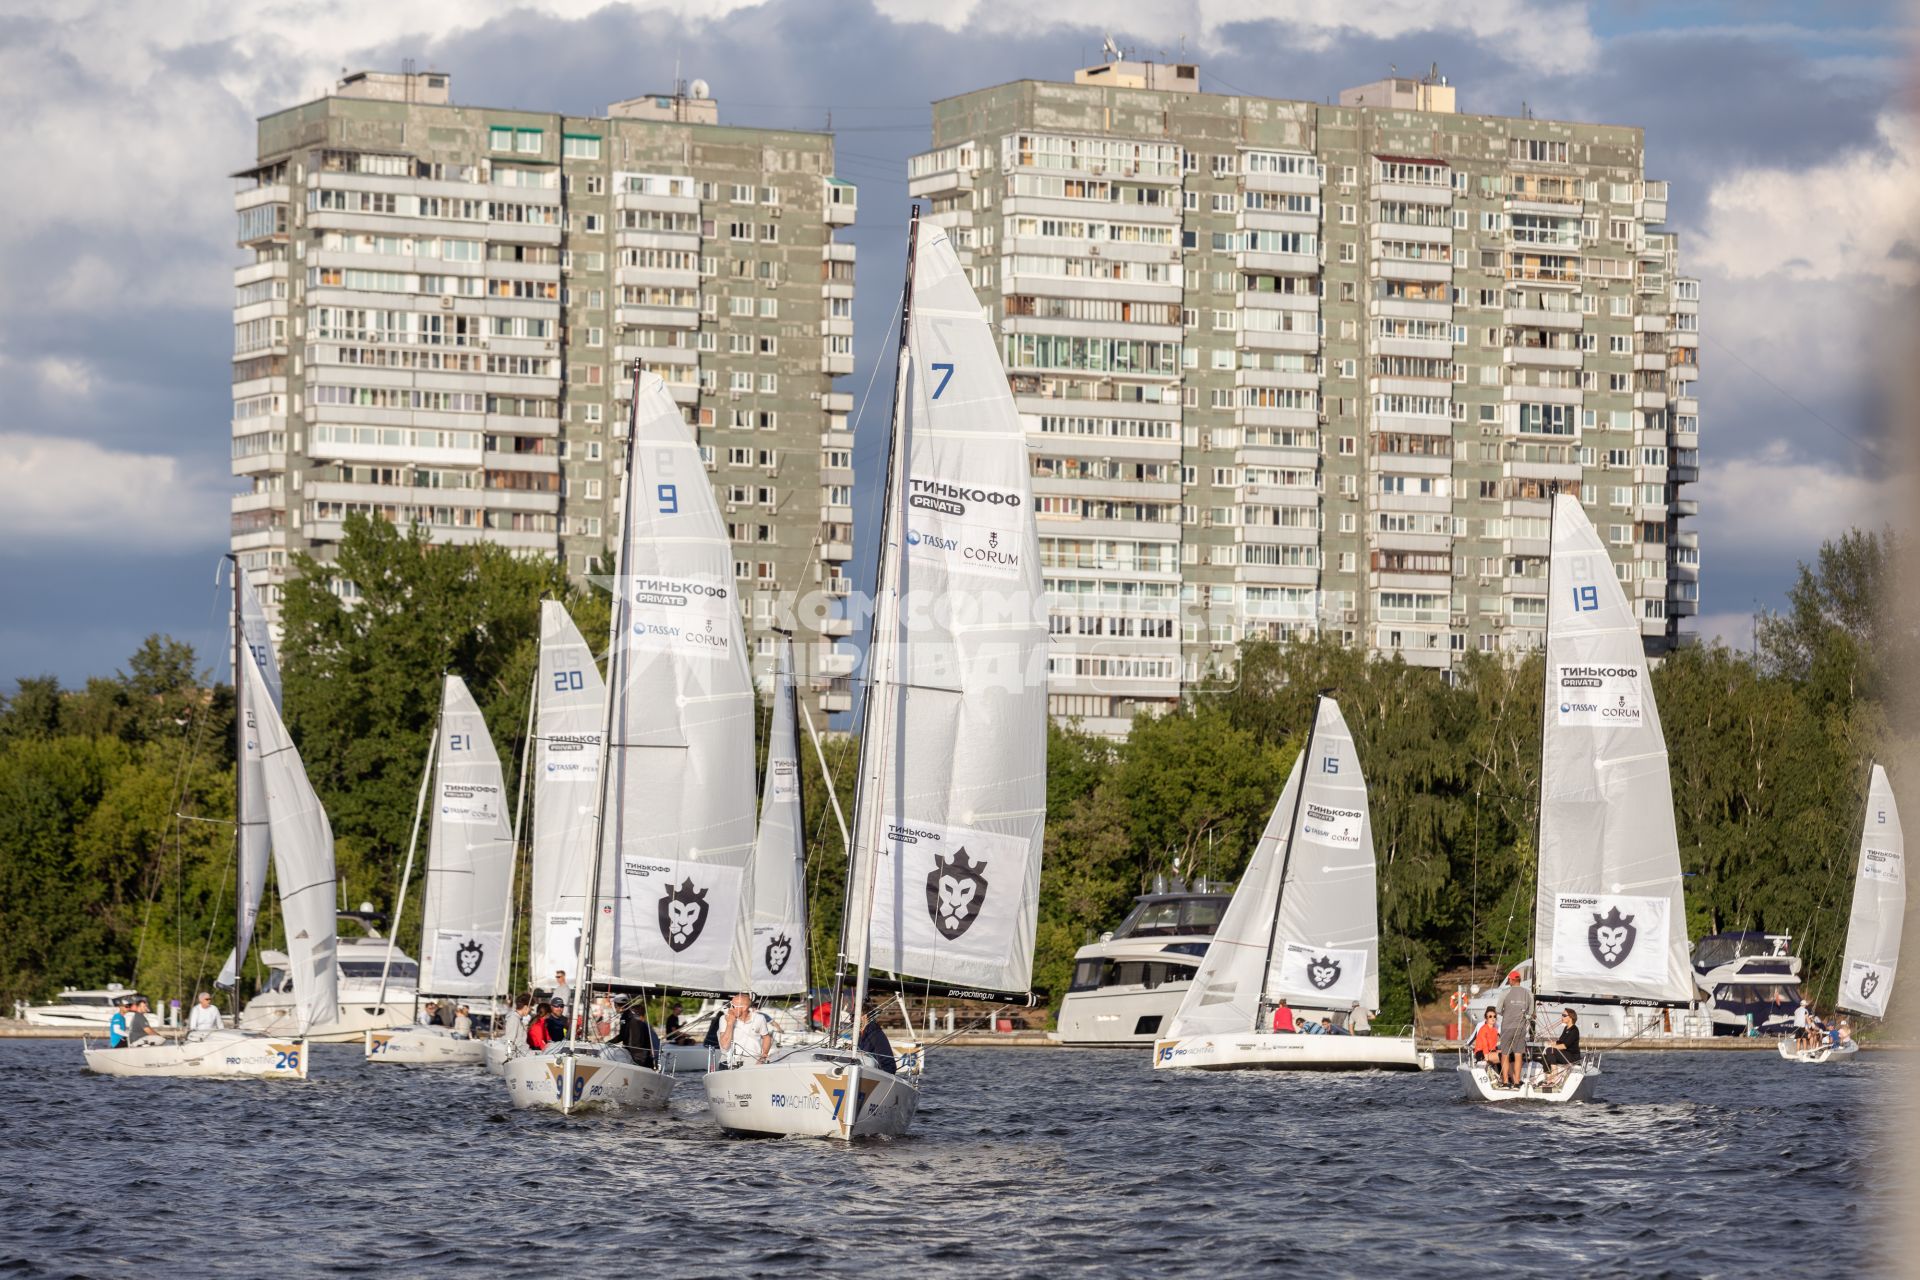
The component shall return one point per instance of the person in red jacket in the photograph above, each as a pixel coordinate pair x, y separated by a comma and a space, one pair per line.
1283, 1019
1486, 1039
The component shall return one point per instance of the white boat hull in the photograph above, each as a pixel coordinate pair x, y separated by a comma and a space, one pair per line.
805, 1094
207, 1055
589, 1079
425, 1047
1576, 1086
1818, 1053
351, 1024
496, 1053
687, 1059
1284, 1051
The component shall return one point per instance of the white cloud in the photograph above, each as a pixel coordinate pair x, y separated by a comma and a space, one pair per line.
72, 492
1782, 503
1546, 37
1734, 630
1838, 220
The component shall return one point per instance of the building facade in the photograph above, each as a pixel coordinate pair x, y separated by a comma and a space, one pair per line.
1294, 369
442, 304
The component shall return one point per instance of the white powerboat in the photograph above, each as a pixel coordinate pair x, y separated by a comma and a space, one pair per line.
82, 1010
1127, 985
1610, 913
219, 1054
949, 818
1749, 982
1302, 931
361, 1006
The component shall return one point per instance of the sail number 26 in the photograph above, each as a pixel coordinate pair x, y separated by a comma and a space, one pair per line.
1586, 599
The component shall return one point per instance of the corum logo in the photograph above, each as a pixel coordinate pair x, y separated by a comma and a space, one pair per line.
683, 914
956, 890
1611, 937
1869, 983
467, 959
1323, 972
779, 949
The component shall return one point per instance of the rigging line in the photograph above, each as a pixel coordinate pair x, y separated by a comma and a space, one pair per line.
1873, 450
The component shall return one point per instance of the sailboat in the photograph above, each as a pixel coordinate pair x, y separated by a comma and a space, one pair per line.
1610, 916
1873, 928
672, 872
302, 843
1303, 930
944, 881
469, 881
250, 871
570, 702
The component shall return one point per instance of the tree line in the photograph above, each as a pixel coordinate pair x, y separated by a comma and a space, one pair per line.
116, 798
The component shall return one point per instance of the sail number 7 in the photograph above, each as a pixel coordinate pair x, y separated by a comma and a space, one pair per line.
946, 375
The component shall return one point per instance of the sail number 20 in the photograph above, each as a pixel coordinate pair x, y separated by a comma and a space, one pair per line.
1586, 599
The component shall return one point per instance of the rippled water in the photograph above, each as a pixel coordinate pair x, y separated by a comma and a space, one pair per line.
1022, 1162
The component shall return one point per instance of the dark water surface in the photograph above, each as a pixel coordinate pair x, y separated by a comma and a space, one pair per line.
1023, 1162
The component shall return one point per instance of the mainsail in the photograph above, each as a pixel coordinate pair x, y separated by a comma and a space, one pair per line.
256, 637
677, 831
1879, 903
1610, 917
469, 855
1303, 926
779, 858
572, 702
302, 861
949, 820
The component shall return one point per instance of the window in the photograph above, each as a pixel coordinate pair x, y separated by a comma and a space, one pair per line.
499, 139
580, 146
526, 141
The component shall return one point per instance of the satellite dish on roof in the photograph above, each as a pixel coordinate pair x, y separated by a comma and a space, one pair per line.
700, 89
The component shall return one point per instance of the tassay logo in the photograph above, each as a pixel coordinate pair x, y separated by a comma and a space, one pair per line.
916, 538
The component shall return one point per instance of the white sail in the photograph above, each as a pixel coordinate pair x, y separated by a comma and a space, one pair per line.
1879, 905
1326, 944
572, 703
677, 833
779, 858
302, 862
1610, 914
251, 878
1225, 994
469, 855
953, 790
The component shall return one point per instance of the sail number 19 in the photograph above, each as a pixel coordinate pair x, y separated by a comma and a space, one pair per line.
1586, 599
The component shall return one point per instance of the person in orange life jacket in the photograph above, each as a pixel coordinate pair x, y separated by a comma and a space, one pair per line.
1486, 1039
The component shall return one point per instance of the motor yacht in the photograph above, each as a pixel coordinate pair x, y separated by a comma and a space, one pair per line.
359, 962
1127, 985
1748, 981
88, 1010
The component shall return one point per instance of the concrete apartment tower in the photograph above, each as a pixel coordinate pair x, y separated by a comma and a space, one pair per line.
442, 302
1294, 369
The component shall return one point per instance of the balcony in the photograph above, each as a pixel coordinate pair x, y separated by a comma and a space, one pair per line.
1542, 357
842, 202
1536, 318
1434, 272
1295, 264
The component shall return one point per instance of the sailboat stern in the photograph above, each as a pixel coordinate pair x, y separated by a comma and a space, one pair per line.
1282, 1051
812, 1093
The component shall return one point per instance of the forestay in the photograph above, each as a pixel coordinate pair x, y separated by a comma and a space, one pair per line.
1879, 903
469, 855
779, 859
302, 862
953, 788
256, 637
571, 704
677, 836
1225, 993
1610, 915
1326, 942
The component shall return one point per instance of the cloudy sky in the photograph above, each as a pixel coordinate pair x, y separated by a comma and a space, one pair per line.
1793, 175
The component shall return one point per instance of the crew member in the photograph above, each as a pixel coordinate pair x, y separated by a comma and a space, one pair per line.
874, 1042
746, 1034
205, 1015
1516, 1013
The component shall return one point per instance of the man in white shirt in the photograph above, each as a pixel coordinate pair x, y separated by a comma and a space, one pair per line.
205, 1015
1800, 1017
746, 1034
561, 990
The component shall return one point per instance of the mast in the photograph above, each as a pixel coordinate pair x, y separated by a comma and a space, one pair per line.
616, 626
406, 875
800, 804
505, 968
885, 603
239, 794
1540, 757
1286, 859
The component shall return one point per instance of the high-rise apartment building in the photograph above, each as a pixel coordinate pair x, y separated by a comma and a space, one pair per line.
443, 302
1294, 369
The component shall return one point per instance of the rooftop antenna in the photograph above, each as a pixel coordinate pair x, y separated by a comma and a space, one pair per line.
1109, 50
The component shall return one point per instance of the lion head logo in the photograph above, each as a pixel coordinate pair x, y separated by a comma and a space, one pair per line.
1611, 937
956, 890
779, 951
1323, 972
1869, 983
683, 914
467, 959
